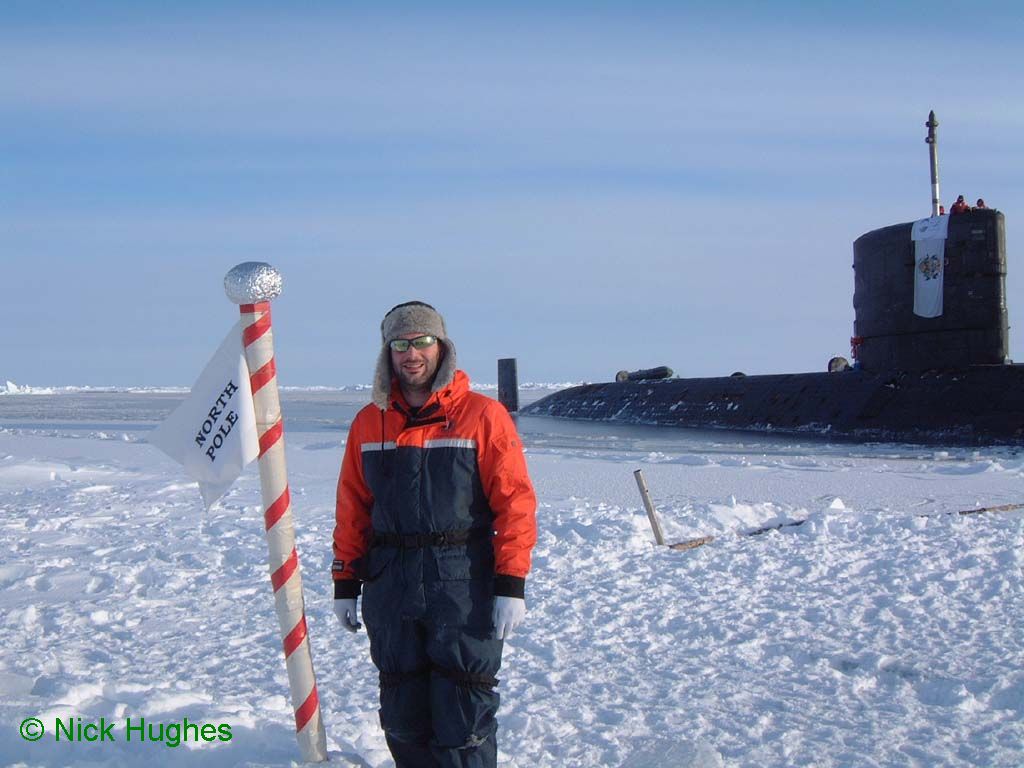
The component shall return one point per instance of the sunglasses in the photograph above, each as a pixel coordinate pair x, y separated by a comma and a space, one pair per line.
420, 342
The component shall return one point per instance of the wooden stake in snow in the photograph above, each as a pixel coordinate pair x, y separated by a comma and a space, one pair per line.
652, 515
979, 510
252, 286
692, 543
1001, 508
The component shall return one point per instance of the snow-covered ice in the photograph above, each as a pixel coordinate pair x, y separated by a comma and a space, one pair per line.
872, 625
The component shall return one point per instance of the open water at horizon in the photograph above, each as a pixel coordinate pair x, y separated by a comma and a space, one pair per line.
333, 411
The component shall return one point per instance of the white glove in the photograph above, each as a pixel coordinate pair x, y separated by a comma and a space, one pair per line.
508, 614
345, 610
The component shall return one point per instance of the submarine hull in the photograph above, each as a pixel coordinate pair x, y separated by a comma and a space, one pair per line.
975, 405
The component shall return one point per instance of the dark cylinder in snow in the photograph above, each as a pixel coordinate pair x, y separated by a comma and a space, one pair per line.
508, 384
647, 374
972, 329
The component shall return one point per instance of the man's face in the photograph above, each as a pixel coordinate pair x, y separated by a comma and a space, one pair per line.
415, 368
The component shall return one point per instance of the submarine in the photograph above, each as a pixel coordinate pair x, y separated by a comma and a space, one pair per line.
930, 350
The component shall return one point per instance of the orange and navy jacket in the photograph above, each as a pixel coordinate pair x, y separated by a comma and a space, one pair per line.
456, 465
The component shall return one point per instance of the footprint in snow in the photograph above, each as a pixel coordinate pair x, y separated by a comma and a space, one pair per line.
40, 583
100, 583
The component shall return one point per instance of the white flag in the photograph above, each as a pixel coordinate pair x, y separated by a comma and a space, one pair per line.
213, 433
929, 236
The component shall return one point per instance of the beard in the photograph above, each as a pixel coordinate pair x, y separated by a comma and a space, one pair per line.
419, 378
415, 381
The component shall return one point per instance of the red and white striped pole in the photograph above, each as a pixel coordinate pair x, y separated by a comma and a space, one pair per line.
253, 285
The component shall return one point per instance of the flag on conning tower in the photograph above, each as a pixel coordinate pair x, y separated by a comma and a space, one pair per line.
929, 236
213, 433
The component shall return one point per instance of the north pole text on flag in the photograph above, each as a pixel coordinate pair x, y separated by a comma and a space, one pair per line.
213, 433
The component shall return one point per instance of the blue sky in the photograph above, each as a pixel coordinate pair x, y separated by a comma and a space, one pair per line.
584, 186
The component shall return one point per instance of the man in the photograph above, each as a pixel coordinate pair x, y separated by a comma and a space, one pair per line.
435, 522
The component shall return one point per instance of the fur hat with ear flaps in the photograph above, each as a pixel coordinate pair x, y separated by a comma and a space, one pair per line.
411, 317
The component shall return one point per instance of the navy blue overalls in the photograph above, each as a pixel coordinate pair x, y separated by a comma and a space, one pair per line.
427, 601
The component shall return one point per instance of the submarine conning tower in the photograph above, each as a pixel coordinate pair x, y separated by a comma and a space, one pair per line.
972, 328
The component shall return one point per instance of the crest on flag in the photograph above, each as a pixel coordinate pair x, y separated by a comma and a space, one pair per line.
930, 267
213, 433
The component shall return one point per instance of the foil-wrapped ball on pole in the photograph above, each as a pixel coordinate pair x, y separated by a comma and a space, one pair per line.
252, 286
